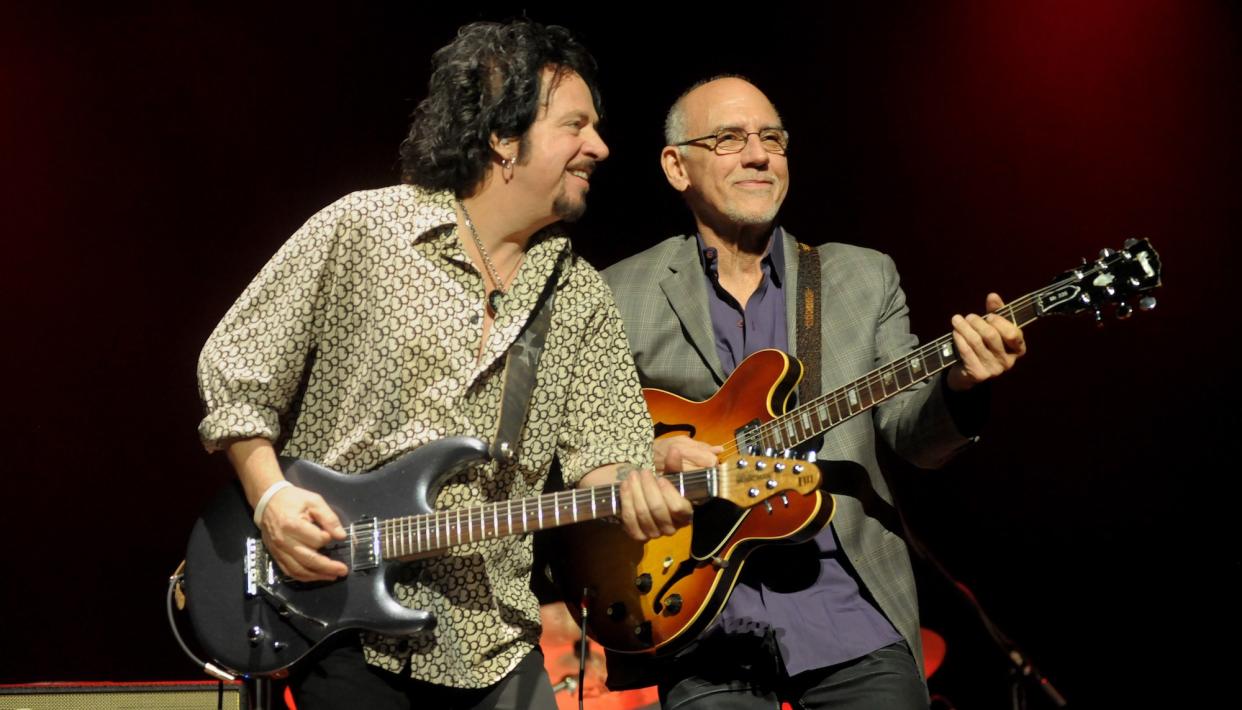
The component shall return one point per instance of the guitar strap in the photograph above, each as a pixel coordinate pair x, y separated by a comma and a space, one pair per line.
519, 377
810, 303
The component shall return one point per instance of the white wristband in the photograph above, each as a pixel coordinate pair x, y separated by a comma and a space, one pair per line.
267, 498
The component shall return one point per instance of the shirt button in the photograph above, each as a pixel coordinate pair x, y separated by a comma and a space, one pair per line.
474, 319
741, 324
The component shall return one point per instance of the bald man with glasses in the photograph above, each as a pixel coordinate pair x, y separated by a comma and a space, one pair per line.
833, 621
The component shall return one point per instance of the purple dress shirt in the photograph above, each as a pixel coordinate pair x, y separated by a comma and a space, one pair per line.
815, 621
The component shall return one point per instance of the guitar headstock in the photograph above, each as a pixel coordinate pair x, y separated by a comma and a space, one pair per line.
1115, 279
747, 479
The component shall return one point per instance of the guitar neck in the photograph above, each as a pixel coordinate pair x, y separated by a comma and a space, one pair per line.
434, 533
813, 418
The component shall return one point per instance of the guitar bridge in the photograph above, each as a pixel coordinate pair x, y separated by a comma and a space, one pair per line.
260, 571
261, 576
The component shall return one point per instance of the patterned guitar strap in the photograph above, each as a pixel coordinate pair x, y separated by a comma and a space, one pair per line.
519, 377
810, 304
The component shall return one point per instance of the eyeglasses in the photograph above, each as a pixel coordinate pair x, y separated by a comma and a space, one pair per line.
733, 140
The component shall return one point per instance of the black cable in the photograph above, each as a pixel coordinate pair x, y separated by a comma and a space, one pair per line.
208, 668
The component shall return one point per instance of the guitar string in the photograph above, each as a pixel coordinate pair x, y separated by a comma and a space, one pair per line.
768, 431
546, 505
478, 516
533, 507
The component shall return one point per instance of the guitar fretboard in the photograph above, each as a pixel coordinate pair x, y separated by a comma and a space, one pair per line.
433, 533
812, 418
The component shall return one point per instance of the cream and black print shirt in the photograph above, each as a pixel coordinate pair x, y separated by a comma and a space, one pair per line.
357, 343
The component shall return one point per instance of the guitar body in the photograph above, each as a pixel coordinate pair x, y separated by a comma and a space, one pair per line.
263, 629
655, 596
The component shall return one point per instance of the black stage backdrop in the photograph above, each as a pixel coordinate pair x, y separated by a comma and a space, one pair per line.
156, 154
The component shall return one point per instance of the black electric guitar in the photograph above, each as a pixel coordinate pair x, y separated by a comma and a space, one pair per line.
253, 619
653, 597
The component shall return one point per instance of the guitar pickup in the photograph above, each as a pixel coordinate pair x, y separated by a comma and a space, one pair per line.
364, 545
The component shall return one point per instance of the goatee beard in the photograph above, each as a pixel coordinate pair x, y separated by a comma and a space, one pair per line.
568, 210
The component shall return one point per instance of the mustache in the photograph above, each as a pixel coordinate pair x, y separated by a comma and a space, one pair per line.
756, 176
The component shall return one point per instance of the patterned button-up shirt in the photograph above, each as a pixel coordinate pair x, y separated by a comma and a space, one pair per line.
358, 342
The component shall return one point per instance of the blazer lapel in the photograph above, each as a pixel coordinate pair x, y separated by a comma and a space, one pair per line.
687, 296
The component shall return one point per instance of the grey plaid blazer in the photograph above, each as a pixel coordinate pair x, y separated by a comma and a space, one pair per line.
662, 297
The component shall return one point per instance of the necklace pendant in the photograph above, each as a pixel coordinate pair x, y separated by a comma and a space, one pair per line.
493, 300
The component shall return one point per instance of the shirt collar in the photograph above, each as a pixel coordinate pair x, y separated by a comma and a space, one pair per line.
772, 263
433, 210
435, 214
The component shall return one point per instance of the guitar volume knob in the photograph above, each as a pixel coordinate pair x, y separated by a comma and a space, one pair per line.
672, 605
643, 583
642, 632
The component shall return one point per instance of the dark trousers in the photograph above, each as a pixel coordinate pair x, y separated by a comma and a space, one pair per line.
342, 679
887, 678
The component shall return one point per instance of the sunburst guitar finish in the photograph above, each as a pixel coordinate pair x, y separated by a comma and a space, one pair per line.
652, 597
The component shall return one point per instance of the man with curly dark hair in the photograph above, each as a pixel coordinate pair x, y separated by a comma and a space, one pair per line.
385, 323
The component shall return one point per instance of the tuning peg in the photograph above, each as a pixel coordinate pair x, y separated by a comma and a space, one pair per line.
752, 449
1105, 253
810, 456
769, 451
1147, 303
1110, 291
1124, 311
787, 453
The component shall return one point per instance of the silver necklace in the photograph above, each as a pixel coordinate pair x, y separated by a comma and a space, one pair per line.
493, 296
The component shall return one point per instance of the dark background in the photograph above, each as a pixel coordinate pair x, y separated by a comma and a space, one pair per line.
155, 154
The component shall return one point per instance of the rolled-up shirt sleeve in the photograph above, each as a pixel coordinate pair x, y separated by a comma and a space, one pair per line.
250, 369
606, 419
